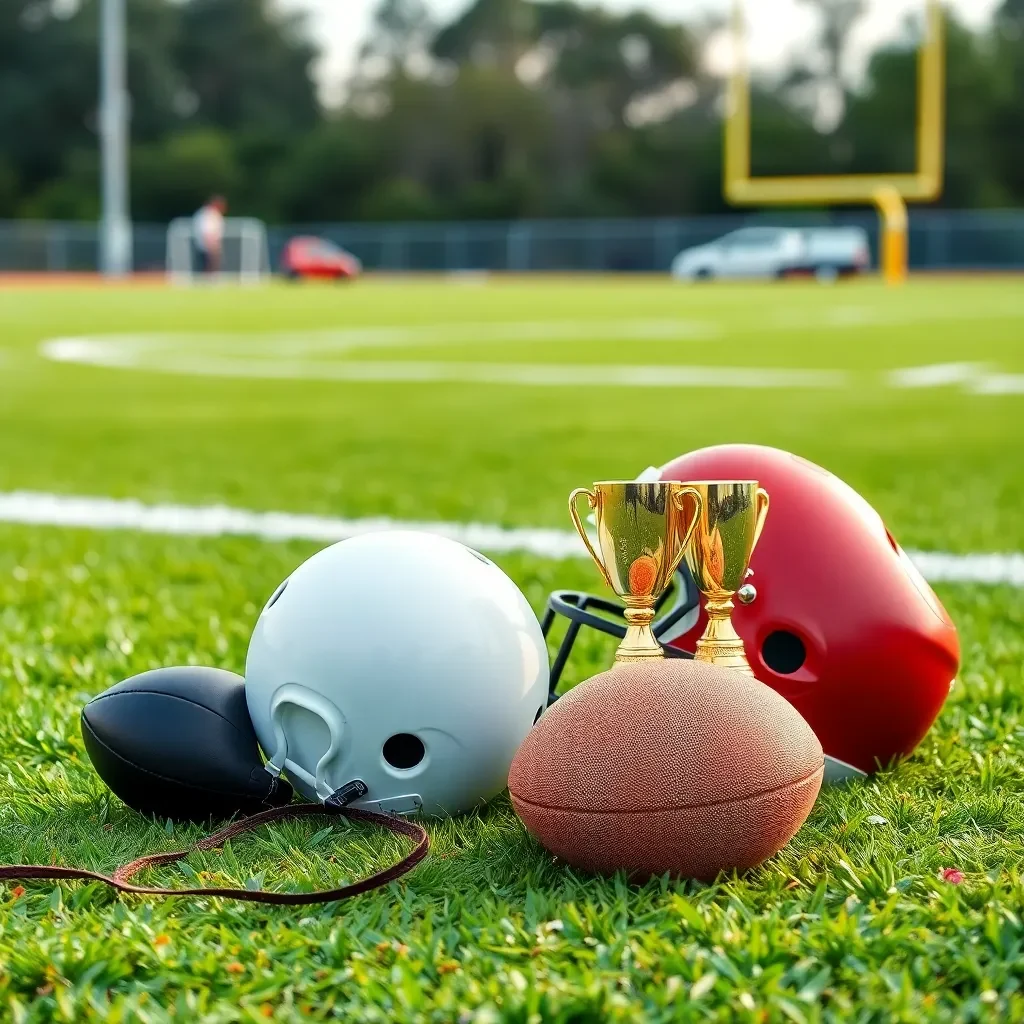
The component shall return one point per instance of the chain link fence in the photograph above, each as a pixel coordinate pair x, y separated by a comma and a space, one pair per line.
939, 240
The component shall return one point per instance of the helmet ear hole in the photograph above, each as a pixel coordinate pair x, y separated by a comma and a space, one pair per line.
783, 652
536, 717
403, 751
276, 596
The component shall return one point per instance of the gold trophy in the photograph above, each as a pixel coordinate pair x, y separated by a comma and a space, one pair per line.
643, 530
729, 522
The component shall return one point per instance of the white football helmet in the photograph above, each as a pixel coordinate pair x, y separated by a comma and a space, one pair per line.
402, 660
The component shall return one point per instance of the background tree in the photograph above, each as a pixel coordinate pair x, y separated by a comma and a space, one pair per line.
401, 31
513, 108
245, 64
232, 65
49, 85
492, 33
826, 72
179, 174
1006, 109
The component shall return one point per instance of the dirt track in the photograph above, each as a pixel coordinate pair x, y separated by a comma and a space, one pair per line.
83, 280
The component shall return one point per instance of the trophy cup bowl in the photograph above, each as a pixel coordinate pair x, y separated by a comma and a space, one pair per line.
643, 530
729, 523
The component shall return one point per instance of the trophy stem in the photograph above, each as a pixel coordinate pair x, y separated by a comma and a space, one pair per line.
721, 644
639, 644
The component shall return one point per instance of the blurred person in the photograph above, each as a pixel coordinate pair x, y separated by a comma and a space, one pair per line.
208, 234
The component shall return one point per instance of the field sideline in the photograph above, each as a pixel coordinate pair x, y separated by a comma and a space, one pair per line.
312, 412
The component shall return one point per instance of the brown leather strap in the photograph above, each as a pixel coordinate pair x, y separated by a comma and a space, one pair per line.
120, 879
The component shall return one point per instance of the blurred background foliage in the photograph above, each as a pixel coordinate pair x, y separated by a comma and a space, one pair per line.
514, 109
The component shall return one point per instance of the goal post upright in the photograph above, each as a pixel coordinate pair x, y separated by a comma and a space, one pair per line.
888, 192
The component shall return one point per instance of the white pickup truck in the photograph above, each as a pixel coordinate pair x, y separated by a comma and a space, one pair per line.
827, 253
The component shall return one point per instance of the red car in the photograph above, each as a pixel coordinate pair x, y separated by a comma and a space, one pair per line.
307, 256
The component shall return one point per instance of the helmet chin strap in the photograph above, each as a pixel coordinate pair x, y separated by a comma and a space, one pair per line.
332, 802
315, 704
121, 880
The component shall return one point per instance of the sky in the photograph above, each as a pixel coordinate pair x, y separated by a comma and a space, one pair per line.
776, 26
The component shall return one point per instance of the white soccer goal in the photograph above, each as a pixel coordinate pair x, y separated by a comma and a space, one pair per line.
245, 257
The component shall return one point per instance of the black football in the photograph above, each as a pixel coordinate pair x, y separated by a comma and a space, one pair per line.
178, 743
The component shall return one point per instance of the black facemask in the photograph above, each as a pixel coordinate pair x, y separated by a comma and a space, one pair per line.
581, 609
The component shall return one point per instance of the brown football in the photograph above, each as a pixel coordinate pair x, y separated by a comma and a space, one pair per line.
667, 766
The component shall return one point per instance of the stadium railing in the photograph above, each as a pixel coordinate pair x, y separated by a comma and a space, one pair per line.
990, 240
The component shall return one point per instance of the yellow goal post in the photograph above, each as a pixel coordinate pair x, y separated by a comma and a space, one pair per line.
888, 192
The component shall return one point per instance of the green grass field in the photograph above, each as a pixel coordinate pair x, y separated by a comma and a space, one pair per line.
851, 922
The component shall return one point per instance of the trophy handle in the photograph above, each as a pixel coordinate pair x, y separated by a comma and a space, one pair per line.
698, 502
762, 512
592, 501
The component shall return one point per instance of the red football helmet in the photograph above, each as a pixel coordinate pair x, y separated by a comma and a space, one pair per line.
839, 620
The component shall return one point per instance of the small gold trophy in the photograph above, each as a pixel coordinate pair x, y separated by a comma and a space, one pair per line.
729, 522
643, 530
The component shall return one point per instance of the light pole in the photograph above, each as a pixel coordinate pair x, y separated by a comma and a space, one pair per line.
116, 231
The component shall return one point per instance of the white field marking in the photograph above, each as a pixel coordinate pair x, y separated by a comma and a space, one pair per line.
158, 354
937, 375
861, 316
292, 356
530, 374
939, 567
131, 349
494, 332
999, 384
33, 508
41, 509
976, 378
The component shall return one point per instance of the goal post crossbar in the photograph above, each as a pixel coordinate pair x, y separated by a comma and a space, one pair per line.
888, 192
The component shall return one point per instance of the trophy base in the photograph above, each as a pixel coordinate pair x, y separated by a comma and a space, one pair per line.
721, 644
625, 655
723, 655
638, 644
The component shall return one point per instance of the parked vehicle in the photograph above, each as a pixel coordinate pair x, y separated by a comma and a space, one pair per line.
308, 256
827, 253
834, 252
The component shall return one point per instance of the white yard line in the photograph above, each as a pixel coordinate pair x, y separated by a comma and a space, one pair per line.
30, 507
137, 349
41, 509
159, 353
937, 375
523, 374
999, 384
860, 316
300, 356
